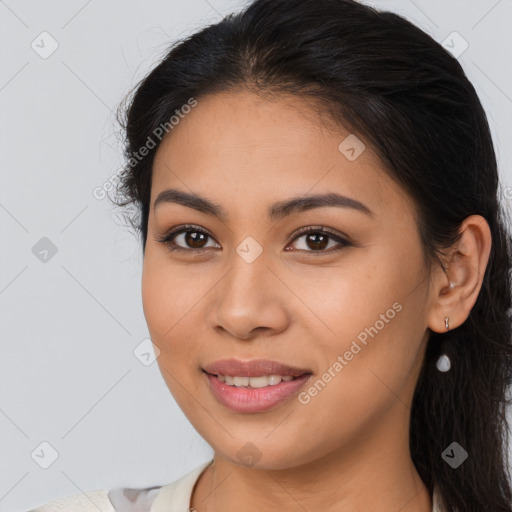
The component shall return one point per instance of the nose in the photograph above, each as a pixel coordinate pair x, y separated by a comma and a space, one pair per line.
250, 300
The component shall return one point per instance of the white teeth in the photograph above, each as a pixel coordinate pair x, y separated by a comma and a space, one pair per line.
241, 381
259, 382
274, 379
254, 382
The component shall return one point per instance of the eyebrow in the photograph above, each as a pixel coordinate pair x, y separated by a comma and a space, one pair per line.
276, 211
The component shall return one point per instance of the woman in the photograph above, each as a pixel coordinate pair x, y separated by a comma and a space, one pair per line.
326, 266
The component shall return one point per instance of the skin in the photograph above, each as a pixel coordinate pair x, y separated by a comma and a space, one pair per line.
347, 449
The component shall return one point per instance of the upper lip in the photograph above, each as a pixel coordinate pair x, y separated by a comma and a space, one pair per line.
253, 368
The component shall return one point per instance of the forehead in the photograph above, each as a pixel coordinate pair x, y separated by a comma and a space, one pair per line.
243, 122
249, 145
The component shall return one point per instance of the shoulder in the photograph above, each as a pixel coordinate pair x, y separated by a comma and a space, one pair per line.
124, 499
81, 502
113, 500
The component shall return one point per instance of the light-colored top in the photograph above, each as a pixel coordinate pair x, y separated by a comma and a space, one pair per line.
173, 497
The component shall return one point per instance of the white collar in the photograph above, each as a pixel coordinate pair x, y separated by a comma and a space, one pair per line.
178, 493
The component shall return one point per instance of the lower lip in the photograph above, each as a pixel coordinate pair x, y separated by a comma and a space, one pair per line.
242, 399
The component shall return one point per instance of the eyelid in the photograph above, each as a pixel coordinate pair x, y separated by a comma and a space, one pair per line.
319, 228
340, 238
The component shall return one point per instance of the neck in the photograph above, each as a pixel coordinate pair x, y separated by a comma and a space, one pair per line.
372, 472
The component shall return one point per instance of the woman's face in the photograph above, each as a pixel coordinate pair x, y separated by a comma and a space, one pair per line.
353, 314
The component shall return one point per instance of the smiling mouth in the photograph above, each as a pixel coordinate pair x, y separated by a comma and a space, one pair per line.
255, 382
258, 394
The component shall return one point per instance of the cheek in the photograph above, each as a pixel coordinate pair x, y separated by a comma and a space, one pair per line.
375, 330
170, 296
172, 308
168, 309
350, 300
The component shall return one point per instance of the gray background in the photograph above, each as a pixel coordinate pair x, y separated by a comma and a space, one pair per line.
70, 324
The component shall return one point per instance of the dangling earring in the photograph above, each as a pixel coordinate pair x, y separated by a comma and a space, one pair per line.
443, 363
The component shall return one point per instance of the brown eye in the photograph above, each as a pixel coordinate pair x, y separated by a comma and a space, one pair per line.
318, 239
195, 239
191, 238
186, 238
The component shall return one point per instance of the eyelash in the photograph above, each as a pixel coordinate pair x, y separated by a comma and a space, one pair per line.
166, 239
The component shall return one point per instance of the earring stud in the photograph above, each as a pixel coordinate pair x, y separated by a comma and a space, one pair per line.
443, 364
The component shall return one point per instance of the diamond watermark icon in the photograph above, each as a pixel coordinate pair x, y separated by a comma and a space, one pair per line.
351, 147
454, 455
44, 455
44, 45
146, 352
44, 250
455, 44
249, 454
249, 249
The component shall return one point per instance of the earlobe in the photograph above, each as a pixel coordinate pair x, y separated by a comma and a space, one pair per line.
457, 290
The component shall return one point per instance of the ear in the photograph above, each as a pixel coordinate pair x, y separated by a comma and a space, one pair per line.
455, 292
